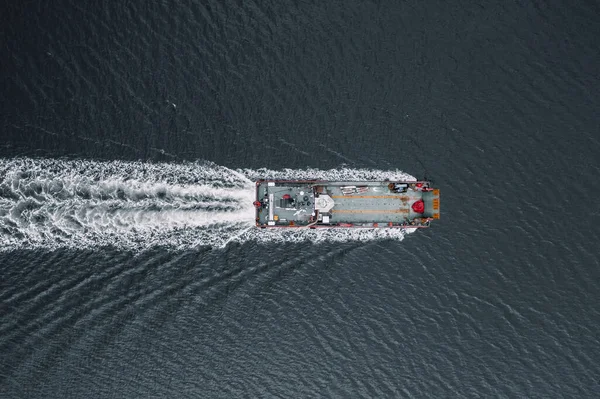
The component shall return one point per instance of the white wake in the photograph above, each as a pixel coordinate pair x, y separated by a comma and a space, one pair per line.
50, 204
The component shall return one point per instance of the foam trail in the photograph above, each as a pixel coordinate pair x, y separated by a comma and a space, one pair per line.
50, 204
342, 174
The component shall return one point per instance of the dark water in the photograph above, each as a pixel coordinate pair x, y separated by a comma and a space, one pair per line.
497, 102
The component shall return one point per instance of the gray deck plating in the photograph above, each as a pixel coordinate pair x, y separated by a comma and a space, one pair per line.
377, 205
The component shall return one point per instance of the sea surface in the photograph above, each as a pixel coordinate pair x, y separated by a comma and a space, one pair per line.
130, 136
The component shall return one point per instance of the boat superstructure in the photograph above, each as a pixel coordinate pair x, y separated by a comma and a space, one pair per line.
319, 204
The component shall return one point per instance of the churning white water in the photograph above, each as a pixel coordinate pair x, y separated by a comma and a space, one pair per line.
53, 203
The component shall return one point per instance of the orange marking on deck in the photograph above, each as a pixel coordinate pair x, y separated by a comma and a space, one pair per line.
369, 211
372, 196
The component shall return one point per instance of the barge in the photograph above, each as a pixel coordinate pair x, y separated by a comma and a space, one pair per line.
350, 204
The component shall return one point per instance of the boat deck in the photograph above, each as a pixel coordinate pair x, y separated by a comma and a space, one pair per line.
376, 205
345, 204
298, 208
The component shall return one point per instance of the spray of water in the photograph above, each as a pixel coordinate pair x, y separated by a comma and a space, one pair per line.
50, 204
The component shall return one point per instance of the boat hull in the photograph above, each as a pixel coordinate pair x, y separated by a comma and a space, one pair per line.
317, 204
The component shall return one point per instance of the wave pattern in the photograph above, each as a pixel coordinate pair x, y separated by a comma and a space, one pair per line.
48, 203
